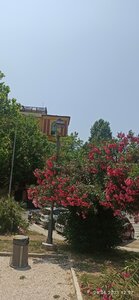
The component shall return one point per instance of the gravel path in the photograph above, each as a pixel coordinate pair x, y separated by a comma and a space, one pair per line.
47, 279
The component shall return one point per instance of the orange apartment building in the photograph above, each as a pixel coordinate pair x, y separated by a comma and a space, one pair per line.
49, 124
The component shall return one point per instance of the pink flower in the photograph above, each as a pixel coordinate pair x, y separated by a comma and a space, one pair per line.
120, 135
96, 150
112, 146
89, 292
129, 182
99, 291
117, 212
93, 170
107, 151
126, 274
91, 156
49, 164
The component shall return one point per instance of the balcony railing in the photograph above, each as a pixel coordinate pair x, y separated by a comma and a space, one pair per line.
36, 109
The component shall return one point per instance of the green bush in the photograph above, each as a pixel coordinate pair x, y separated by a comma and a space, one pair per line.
99, 230
10, 216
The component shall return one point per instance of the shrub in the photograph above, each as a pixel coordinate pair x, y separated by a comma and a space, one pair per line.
94, 231
10, 216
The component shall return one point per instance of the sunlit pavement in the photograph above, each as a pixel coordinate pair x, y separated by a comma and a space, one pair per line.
130, 246
39, 229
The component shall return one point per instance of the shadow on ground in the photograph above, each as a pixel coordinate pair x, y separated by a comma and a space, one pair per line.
62, 261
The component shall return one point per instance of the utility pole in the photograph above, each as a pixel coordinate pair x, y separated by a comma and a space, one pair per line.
12, 163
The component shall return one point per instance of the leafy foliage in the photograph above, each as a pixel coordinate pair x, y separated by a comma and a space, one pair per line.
87, 231
10, 216
31, 146
71, 148
100, 131
31, 150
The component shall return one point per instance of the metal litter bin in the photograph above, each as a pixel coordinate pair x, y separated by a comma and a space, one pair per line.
19, 258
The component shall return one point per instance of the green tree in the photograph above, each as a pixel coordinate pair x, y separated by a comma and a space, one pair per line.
72, 155
71, 148
31, 149
100, 131
9, 112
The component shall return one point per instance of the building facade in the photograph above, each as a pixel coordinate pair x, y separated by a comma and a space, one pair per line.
51, 125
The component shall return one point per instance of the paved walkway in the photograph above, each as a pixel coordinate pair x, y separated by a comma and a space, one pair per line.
130, 246
39, 229
46, 279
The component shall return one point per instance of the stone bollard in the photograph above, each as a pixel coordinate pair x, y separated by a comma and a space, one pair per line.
19, 258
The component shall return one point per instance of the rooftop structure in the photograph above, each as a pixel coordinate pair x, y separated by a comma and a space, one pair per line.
33, 109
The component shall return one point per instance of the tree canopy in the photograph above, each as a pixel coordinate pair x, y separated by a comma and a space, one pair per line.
31, 148
100, 131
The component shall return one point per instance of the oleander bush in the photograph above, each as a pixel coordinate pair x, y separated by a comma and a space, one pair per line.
93, 231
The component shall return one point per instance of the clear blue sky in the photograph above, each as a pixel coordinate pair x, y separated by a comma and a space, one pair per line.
77, 57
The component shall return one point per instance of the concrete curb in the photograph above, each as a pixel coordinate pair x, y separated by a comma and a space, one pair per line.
29, 254
5, 253
39, 255
56, 254
76, 285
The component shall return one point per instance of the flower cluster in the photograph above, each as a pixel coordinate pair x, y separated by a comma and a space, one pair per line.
110, 175
55, 186
110, 166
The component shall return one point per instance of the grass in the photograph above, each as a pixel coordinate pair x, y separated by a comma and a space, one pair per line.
35, 242
90, 282
89, 270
